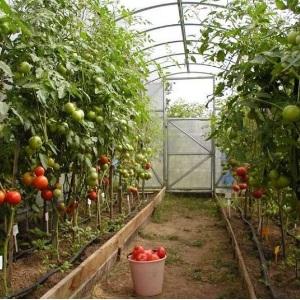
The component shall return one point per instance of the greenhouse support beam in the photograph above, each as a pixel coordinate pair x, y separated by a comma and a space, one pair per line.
177, 54
209, 76
182, 25
167, 26
172, 3
197, 64
169, 42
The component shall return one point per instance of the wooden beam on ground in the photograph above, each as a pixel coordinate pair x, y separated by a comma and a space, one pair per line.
83, 277
241, 262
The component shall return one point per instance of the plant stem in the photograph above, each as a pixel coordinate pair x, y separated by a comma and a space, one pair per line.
5, 249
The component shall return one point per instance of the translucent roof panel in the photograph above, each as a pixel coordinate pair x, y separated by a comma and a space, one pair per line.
154, 17
173, 30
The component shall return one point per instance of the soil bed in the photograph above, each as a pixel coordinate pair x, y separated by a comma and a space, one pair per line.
33, 266
200, 262
282, 274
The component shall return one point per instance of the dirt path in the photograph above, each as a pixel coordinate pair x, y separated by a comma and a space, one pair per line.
200, 263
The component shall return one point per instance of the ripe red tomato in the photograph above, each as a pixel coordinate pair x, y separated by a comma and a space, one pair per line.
236, 188
39, 171
40, 182
47, 195
241, 171
161, 252
257, 194
137, 250
148, 166
13, 197
2, 197
142, 257
92, 195
243, 186
103, 160
155, 256
149, 254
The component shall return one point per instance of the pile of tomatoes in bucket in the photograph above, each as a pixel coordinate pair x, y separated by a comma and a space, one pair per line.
140, 254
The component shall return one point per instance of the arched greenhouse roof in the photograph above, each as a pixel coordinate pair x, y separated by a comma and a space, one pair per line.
174, 38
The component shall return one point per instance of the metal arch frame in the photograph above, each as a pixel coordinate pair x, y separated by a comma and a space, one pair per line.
134, 12
174, 65
182, 26
169, 25
209, 76
178, 54
166, 43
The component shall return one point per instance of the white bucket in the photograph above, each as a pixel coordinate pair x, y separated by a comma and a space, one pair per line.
147, 276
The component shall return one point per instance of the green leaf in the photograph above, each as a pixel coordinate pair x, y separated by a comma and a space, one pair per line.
17, 114
3, 109
5, 68
221, 56
280, 4
193, 58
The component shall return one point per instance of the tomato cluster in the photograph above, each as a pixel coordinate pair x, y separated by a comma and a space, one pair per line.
11, 197
242, 173
141, 254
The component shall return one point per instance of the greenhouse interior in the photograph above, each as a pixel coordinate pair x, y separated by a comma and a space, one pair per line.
149, 149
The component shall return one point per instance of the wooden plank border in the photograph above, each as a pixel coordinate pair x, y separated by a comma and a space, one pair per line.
238, 254
81, 279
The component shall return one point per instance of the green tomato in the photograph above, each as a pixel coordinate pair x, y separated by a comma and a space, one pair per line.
52, 127
104, 167
283, 181
291, 38
57, 193
99, 80
35, 142
99, 120
291, 113
5, 28
24, 67
119, 148
93, 170
91, 115
97, 109
93, 176
69, 107
51, 162
63, 128
78, 115
92, 182
56, 166
273, 174
298, 39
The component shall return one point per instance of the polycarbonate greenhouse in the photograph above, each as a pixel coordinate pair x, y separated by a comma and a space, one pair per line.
149, 149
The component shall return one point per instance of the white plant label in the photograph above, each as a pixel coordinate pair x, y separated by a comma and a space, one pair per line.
228, 195
103, 195
1, 262
229, 207
89, 202
128, 202
15, 230
47, 222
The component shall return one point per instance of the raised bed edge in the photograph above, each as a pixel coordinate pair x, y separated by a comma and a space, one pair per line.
241, 262
76, 282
